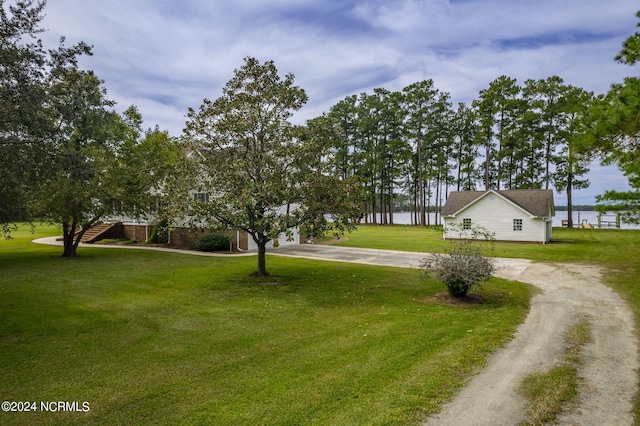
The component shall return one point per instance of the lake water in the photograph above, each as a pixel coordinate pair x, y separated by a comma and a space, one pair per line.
591, 217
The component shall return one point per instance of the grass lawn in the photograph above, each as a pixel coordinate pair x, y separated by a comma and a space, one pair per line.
616, 251
568, 245
158, 338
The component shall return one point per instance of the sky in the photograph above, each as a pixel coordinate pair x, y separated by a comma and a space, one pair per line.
166, 56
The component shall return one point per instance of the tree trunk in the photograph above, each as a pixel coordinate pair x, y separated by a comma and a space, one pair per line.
262, 258
569, 200
437, 206
383, 207
487, 183
391, 206
70, 246
459, 178
372, 195
414, 206
421, 184
428, 201
547, 159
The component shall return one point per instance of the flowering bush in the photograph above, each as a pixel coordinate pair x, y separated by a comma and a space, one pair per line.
463, 265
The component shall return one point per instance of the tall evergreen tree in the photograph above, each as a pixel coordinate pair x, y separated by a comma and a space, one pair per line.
551, 96
346, 116
368, 150
497, 111
464, 129
572, 159
393, 149
425, 107
617, 134
496, 108
530, 155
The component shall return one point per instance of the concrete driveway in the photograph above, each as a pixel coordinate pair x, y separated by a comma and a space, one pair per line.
507, 268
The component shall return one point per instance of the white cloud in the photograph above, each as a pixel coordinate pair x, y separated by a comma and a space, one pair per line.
166, 56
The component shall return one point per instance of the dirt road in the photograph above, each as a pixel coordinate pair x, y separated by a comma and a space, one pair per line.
610, 362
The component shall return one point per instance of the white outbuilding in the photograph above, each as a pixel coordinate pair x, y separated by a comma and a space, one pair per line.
512, 215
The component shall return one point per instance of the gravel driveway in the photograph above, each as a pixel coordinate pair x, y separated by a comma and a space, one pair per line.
610, 362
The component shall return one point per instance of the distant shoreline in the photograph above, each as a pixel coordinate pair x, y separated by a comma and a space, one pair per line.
579, 215
582, 208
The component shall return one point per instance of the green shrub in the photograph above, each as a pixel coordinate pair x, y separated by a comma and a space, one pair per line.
124, 241
213, 242
463, 265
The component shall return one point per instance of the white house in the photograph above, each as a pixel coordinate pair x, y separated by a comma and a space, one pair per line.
181, 236
513, 215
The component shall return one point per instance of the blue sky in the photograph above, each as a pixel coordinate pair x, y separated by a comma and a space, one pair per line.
165, 56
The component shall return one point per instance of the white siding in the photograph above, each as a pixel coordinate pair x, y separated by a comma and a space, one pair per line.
496, 215
282, 240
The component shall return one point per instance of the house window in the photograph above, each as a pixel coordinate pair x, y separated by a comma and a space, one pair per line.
201, 196
517, 224
466, 223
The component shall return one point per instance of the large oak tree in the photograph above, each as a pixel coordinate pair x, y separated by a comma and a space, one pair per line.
262, 174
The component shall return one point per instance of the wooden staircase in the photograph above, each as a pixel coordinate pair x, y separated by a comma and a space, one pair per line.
96, 231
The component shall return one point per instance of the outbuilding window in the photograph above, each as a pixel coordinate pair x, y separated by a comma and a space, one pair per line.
466, 223
517, 224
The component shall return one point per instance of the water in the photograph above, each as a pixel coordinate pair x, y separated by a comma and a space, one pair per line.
404, 218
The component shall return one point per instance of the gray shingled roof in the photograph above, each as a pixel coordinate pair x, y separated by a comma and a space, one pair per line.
538, 202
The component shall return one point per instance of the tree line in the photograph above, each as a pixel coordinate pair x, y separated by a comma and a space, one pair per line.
415, 142
67, 157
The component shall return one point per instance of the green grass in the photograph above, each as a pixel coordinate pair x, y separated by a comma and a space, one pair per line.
158, 338
615, 251
549, 392
568, 245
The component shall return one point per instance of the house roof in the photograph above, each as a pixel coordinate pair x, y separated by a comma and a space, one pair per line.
537, 202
